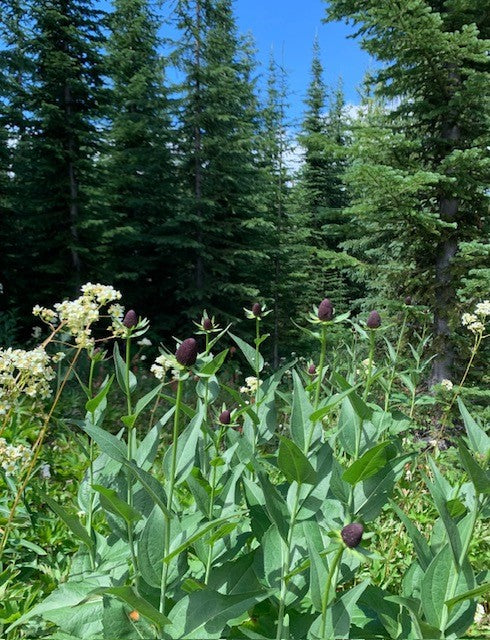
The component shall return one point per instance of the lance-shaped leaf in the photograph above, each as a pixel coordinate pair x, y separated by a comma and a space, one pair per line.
300, 412
127, 595
92, 404
478, 439
111, 502
478, 476
294, 464
71, 520
249, 353
369, 463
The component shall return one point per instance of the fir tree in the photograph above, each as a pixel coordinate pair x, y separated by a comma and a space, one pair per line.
141, 237
219, 165
55, 155
425, 182
320, 188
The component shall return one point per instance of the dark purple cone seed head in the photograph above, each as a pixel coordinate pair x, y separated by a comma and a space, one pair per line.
408, 301
325, 310
225, 417
186, 354
130, 319
312, 369
352, 534
374, 320
256, 309
207, 324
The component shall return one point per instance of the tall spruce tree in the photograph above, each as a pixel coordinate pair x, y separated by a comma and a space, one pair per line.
320, 187
15, 74
427, 185
290, 278
220, 169
141, 235
54, 165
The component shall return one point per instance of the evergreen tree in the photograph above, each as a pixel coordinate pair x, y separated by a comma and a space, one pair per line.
141, 236
290, 279
320, 188
54, 160
220, 168
427, 185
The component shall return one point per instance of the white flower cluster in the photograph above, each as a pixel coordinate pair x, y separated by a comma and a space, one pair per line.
13, 457
23, 372
78, 315
447, 384
144, 342
162, 364
475, 322
251, 385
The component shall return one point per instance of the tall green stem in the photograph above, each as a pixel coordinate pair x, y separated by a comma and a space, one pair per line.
173, 468
211, 503
129, 477
395, 362
372, 342
328, 585
321, 365
91, 465
285, 566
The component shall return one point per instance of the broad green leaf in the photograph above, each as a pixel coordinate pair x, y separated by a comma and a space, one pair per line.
466, 595
369, 463
146, 399
424, 631
127, 595
300, 412
212, 367
294, 464
91, 405
108, 443
249, 353
332, 402
186, 448
318, 577
274, 504
339, 614
449, 524
151, 485
478, 476
420, 544
113, 503
151, 548
120, 367
360, 407
197, 535
478, 439
71, 520
437, 583
204, 614
66, 596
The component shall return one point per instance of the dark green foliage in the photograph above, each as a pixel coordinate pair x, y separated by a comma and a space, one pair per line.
421, 158
139, 232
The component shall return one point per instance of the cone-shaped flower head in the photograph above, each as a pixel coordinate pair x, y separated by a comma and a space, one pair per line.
374, 320
207, 324
186, 354
352, 534
408, 301
257, 309
130, 319
225, 417
325, 310
312, 369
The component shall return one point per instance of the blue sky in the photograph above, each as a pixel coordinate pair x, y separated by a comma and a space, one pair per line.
289, 26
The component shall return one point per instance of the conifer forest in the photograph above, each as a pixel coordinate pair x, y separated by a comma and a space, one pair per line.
244, 355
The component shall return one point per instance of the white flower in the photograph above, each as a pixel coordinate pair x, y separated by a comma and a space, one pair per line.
447, 384
144, 342
251, 385
483, 308
476, 327
468, 318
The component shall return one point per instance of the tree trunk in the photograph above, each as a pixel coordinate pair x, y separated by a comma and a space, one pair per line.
444, 293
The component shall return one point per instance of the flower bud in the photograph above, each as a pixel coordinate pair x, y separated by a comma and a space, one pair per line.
408, 301
312, 369
257, 309
207, 324
352, 534
130, 319
325, 310
374, 320
225, 417
186, 354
